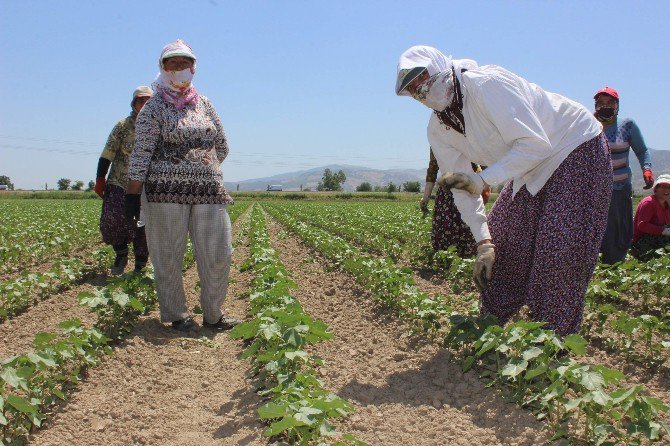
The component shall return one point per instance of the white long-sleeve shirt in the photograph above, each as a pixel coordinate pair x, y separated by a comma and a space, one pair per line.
514, 127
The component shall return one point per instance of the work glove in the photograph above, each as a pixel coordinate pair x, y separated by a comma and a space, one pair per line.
486, 194
100, 187
486, 256
469, 182
427, 191
132, 208
648, 178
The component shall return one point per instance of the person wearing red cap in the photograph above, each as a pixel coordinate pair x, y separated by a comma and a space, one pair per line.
622, 135
651, 226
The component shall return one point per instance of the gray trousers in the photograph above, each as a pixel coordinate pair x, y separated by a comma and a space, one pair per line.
619, 233
167, 226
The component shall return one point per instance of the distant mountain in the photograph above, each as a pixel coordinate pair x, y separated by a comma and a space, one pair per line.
378, 177
311, 177
660, 160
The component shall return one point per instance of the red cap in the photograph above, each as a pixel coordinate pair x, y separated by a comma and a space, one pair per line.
608, 91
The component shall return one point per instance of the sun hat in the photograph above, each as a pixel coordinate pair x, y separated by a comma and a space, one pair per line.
662, 179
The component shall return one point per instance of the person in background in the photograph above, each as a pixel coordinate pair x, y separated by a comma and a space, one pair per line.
115, 228
540, 242
448, 227
651, 225
622, 135
179, 147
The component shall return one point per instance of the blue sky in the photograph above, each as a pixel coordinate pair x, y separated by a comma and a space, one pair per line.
301, 84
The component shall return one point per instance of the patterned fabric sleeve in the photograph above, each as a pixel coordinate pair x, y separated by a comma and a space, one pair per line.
147, 135
639, 147
221, 142
114, 141
431, 172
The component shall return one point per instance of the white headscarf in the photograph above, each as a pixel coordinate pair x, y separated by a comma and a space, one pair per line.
432, 60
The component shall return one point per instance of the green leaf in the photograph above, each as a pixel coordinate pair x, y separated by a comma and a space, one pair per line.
298, 354
293, 337
537, 371
572, 404
271, 410
467, 363
10, 377
280, 426
592, 380
576, 344
532, 353
21, 404
600, 397
514, 367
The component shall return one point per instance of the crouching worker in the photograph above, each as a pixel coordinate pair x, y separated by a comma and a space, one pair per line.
540, 243
115, 228
651, 224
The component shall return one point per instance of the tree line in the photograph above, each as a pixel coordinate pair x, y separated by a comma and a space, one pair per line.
332, 181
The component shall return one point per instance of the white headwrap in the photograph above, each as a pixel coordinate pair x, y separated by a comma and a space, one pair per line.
168, 83
432, 60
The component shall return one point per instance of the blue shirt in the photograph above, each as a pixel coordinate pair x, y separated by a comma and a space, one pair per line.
623, 135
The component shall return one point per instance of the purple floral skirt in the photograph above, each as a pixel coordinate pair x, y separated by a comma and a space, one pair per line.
547, 245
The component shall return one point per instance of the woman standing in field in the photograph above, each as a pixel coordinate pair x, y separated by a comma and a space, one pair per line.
115, 229
179, 148
448, 226
540, 243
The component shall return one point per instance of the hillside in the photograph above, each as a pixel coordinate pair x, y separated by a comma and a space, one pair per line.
378, 177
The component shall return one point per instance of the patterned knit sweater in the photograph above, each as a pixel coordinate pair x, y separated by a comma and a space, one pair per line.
178, 153
623, 135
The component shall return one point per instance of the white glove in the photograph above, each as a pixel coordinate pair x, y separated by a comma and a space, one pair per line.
469, 182
427, 191
666, 232
486, 256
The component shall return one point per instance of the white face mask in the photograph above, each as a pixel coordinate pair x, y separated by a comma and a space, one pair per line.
437, 92
180, 80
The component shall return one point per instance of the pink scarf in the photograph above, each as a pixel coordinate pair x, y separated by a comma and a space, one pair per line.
189, 96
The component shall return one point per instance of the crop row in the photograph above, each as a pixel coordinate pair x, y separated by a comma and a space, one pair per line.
639, 329
22, 292
32, 382
578, 402
299, 408
32, 231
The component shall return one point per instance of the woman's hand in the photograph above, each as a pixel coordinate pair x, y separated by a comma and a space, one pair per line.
483, 269
427, 191
469, 182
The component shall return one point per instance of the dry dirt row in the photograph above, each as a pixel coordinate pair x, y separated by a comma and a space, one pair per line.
163, 388
17, 334
405, 389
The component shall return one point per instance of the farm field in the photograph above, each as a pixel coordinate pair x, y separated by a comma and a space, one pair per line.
355, 333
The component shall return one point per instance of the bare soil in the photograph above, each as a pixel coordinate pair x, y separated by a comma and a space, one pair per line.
17, 334
163, 387
405, 389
